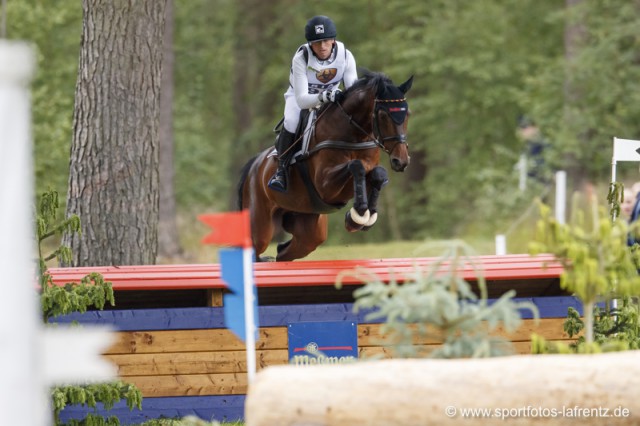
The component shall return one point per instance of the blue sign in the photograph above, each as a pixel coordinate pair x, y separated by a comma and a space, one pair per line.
233, 273
327, 342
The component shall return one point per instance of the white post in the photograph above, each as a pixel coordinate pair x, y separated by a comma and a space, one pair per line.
613, 177
22, 397
561, 196
249, 320
501, 244
522, 168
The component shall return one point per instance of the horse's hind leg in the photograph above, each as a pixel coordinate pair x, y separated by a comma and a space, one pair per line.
307, 231
377, 179
262, 226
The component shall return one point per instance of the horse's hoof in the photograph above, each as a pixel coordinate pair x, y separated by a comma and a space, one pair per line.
349, 224
360, 219
282, 246
372, 219
371, 222
266, 259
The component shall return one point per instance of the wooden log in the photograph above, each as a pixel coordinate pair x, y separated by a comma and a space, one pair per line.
532, 389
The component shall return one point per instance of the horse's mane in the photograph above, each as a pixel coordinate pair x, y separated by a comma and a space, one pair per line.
370, 80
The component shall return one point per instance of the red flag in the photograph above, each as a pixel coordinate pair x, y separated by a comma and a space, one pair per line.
230, 229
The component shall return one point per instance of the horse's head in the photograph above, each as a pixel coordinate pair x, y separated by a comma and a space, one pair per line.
390, 119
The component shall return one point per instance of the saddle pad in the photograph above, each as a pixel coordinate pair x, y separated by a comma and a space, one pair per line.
306, 139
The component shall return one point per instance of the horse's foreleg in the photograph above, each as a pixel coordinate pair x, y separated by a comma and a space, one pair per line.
358, 215
377, 179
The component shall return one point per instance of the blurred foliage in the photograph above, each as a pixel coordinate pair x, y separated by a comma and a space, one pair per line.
477, 65
598, 267
437, 304
90, 395
57, 300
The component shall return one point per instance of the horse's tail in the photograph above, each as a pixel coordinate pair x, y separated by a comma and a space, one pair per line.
244, 173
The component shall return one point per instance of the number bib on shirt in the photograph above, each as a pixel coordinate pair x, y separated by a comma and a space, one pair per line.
326, 74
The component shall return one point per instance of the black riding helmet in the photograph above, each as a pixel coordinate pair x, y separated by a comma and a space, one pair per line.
320, 28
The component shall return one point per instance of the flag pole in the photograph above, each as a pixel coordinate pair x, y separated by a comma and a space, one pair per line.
249, 320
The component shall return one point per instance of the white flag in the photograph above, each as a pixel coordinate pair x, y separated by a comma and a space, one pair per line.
626, 150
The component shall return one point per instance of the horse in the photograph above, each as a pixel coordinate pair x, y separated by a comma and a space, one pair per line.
340, 164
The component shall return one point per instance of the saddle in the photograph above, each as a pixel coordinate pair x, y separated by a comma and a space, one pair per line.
304, 132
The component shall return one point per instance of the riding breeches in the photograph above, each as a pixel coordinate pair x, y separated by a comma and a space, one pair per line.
291, 113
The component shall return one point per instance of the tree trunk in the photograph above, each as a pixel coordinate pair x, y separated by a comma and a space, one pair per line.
168, 237
113, 176
574, 36
523, 390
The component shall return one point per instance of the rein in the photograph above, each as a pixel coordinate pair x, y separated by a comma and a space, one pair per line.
378, 140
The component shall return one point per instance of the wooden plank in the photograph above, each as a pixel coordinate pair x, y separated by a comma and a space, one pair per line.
214, 297
370, 335
158, 364
519, 348
211, 340
235, 361
191, 384
236, 383
165, 341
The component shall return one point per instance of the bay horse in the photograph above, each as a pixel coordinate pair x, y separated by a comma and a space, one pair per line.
340, 164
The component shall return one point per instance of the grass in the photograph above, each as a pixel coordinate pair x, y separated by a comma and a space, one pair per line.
393, 249
192, 232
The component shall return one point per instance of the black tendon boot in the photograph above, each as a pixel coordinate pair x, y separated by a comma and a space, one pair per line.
278, 181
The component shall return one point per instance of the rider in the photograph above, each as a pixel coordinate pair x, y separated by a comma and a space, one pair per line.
317, 69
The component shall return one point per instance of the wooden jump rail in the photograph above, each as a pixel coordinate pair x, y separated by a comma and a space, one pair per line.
308, 273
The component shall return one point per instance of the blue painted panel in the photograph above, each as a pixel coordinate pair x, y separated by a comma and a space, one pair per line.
311, 342
551, 307
220, 408
269, 316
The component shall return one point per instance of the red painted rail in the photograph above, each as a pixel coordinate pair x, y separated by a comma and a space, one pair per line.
310, 273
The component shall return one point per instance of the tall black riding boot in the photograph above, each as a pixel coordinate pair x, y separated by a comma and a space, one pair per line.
279, 180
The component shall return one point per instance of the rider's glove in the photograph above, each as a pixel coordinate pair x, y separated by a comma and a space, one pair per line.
334, 95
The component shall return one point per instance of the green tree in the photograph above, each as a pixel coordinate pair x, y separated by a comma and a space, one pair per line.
598, 265
604, 79
478, 65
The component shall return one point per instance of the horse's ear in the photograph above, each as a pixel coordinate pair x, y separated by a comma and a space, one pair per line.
406, 85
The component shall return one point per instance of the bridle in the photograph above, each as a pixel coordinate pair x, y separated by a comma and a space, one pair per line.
401, 138
378, 139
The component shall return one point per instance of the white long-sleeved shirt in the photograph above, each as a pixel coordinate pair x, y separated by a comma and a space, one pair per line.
309, 78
